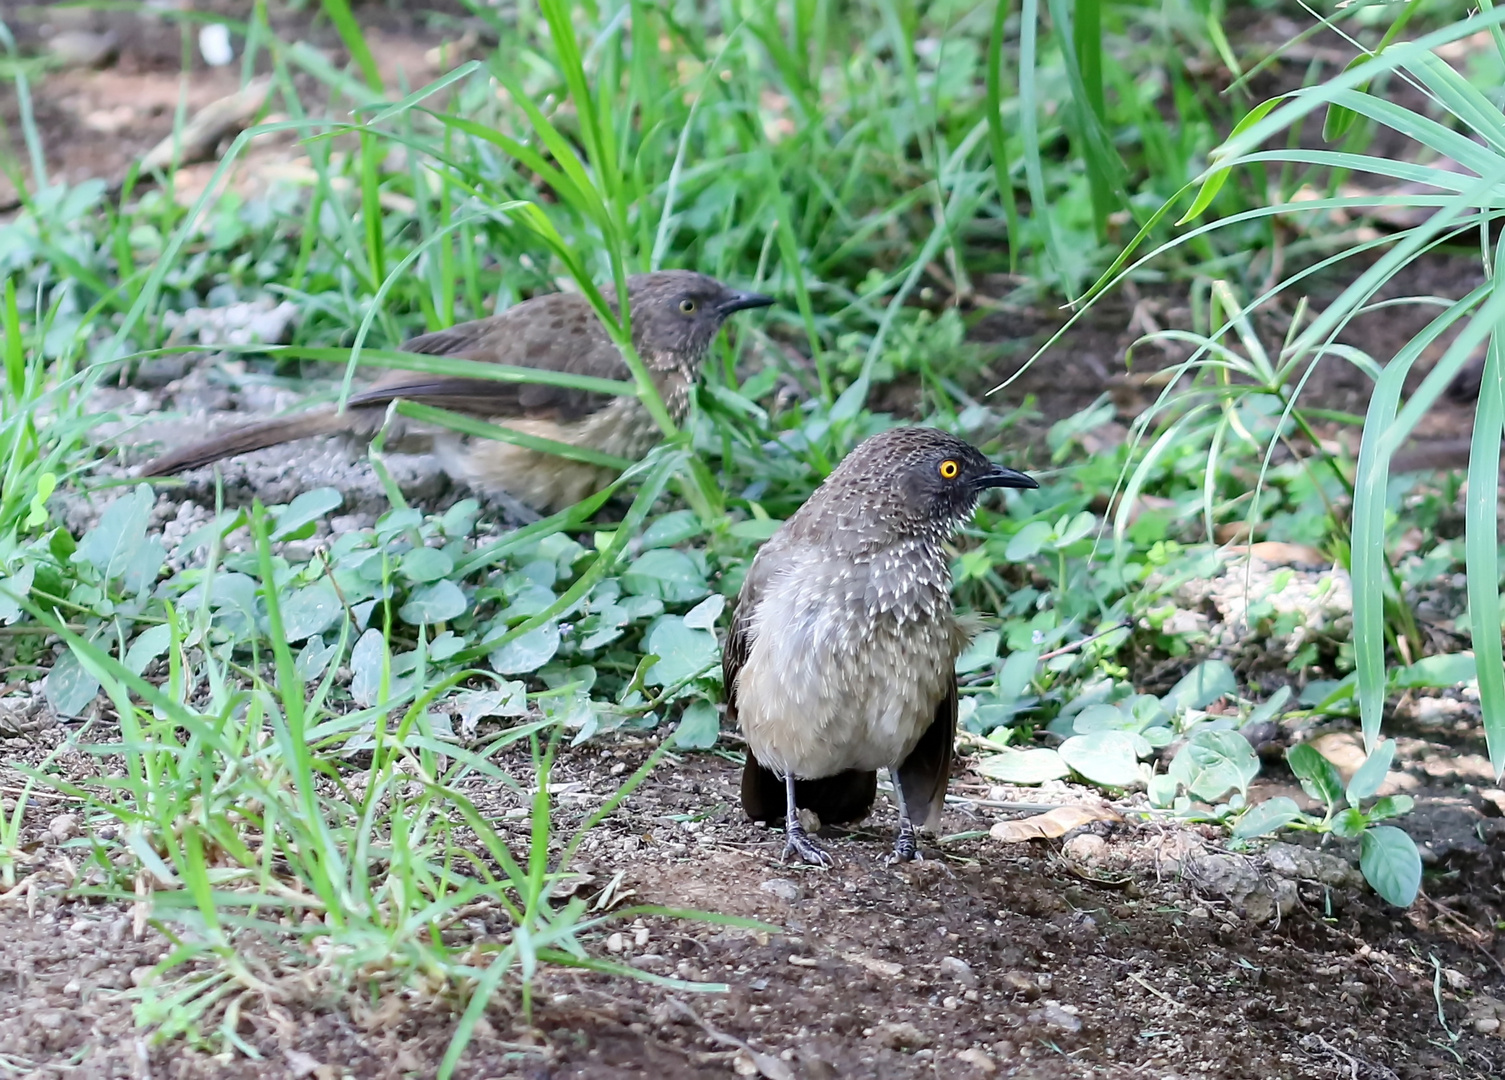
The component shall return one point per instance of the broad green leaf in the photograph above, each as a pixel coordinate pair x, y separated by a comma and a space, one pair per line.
699, 727
112, 544
141, 572
1162, 790
1437, 672
314, 658
1213, 762
1201, 686
1390, 806
310, 610
14, 589
1102, 717
982, 651
667, 574
366, 667
1391, 864
149, 644
1367, 779
68, 687
1028, 541
1033, 766
1266, 818
703, 615
1270, 708
682, 652
1016, 675
672, 529
1104, 757
425, 564
1349, 823
526, 652
1318, 777
439, 602
293, 519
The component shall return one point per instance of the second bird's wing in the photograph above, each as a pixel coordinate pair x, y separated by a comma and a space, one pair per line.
923, 775
558, 332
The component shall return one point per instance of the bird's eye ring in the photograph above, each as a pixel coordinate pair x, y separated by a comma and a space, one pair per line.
687, 306
949, 469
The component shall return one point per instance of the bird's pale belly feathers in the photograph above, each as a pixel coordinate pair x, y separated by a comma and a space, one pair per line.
830, 684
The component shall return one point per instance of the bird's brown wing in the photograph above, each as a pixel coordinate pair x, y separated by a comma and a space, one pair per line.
847, 796
923, 775
557, 332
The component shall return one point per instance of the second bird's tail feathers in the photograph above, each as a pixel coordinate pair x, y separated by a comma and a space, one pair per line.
244, 440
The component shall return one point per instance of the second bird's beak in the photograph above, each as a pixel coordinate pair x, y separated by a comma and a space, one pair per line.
998, 476
741, 301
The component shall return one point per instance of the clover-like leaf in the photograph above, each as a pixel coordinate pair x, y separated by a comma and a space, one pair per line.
310, 610
1035, 765
682, 651
69, 688
1318, 777
439, 602
1391, 864
1201, 686
527, 652
1212, 762
425, 564
1267, 817
699, 727
112, 544
1368, 777
149, 644
296, 520
1104, 757
667, 574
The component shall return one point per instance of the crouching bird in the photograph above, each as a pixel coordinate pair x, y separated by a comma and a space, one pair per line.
842, 653
675, 316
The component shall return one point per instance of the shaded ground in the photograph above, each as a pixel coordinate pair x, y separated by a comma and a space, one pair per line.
1111, 953
1115, 954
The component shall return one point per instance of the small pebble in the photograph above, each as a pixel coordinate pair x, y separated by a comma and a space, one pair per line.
1086, 848
616, 944
640, 936
783, 888
901, 1036
63, 827
1059, 1016
958, 969
978, 1059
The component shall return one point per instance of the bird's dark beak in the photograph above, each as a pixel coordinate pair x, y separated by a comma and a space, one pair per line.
998, 476
741, 301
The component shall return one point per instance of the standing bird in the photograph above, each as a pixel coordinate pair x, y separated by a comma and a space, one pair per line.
675, 317
842, 652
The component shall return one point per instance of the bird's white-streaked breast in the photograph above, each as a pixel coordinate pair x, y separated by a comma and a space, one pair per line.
849, 659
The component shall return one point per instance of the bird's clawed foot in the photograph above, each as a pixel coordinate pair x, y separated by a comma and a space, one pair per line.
906, 848
797, 842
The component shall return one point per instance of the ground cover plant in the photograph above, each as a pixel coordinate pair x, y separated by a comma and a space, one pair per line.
347, 747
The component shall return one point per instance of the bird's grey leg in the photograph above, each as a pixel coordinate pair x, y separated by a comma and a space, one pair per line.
796, 840
906, 847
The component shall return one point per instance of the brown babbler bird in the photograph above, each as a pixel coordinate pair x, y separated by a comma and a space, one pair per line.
675, 317
842, 652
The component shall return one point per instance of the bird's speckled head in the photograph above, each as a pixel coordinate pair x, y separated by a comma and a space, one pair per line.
908, 483
676, 314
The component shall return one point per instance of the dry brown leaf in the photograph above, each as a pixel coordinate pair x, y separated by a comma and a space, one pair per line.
1053, 823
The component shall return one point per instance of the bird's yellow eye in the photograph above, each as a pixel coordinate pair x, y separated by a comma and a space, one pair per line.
687, 306
949, 469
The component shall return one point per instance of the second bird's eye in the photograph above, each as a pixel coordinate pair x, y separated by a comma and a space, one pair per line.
949, 469
687, 306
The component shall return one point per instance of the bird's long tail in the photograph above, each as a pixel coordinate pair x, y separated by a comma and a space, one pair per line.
251, 437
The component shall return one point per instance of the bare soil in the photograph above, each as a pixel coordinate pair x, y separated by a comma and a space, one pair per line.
1099, 954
